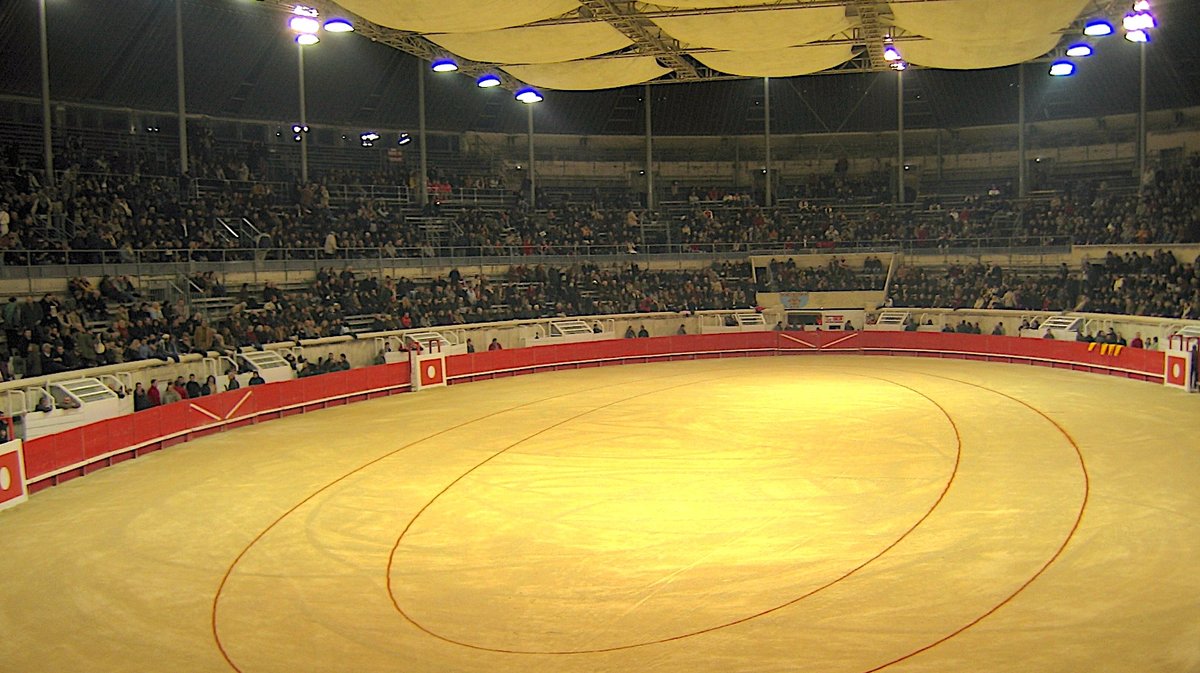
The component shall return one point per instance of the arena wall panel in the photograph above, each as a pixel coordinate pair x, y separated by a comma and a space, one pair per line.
55, 458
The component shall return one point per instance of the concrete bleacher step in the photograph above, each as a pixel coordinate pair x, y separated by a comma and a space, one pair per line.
361, 323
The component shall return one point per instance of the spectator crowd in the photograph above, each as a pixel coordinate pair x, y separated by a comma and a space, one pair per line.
111, 324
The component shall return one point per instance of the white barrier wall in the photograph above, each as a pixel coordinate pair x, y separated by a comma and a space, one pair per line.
364, 351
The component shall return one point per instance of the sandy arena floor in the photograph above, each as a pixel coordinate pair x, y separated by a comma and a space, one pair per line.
800, 514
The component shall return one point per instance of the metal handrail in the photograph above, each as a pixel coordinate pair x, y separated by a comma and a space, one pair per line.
147, 256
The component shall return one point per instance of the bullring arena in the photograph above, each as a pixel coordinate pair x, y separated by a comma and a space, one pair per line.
832, 513
600, 336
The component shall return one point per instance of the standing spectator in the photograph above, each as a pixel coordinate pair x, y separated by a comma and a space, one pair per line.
193, 387
154, 395
495, 345
141, 400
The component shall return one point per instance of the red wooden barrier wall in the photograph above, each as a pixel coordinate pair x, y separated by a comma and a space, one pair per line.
72, 453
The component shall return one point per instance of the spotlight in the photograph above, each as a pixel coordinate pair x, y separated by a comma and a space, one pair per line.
444, 65
890, 53
528, 96
1098, 28
1079, 50
1141, 6
1138, 21
306, 39
301, 10
1062, 69
304, 24
404, 139
487, 81
339, 26
899, 66
1140, 36
368, 138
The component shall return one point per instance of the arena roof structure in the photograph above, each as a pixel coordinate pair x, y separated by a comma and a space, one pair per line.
602, 44
591, 56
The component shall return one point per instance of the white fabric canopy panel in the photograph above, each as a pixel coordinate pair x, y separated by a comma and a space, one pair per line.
604, 73
788, 62
534, 44
456, 16
761, 30
710, 4
952, 55
986, 21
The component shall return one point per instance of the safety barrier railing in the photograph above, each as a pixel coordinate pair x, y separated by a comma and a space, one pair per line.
163, 261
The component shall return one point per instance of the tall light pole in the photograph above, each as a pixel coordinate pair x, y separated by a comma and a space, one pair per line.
649, 153
532, 173
47, 147
179, 86
303, 118
423, 178
1142, 143
767, 137
1022, 157
900, 135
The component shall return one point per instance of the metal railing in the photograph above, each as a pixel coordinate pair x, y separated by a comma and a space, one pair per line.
33, 264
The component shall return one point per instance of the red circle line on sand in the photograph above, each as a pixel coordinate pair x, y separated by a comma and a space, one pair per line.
263, 533
1087, 489
690, 634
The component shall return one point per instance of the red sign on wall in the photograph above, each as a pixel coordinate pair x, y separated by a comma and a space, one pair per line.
12, 477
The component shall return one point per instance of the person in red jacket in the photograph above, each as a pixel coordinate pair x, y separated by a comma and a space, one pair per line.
154, 394
495, 346
180, 387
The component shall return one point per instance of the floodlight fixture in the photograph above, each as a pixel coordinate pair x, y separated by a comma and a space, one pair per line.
1062, 69
304, 10
1141, 6
899, 66
1080, 50
404, 139
1098, 28
305, 25
529, 96
488, 81
444, 65
307, 39
1137, 36
1138, 21
890, 53
338, 25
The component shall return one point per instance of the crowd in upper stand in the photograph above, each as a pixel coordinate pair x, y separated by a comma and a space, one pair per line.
94, 206
1135, 284
836, 275
52, 334
105, 204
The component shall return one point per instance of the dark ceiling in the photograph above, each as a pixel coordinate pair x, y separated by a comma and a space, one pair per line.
241, 63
